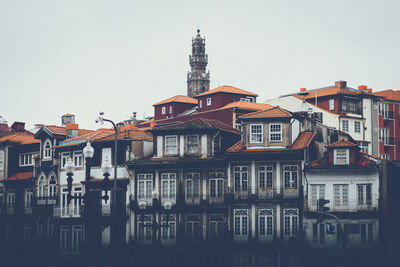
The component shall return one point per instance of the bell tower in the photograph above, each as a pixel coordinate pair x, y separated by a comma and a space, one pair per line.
198, 80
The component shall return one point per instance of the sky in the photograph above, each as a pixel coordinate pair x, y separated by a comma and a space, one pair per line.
87, 56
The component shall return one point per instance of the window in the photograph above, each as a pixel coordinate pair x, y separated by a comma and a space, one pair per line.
209, 101
364, 194
363, 146
384, 135
192, 188
64, 159
47, 151
168, 187
341, 195
256, 135
163, 110
290, 173
265, 174
200, 104
331, 104
241, 178
192, 144
216, 186
192, 227
73, 209
145, 229
291, 222
357, 127
28, 199
351, 105
384, 110
145, 187
216, 229
265, 223
168, 234
52, 190
345, 125
245, 99
341, 157
171, 144
170, 109
10, 200
78, 158
41, 189
1, 160
317, 192
275, 133
26, 159
106, 154
241, 227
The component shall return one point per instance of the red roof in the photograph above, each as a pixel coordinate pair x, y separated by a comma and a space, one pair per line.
247, 105
389, 94
19, 176
20, 138
128, 135
363, 160
302, 141
275, 112
59, 130
178, 99
342, 143
227, 89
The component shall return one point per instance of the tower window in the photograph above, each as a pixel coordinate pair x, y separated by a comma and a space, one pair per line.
209, 101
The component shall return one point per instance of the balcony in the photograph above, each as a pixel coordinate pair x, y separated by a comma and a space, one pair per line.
42, 201
276, 192
388, 115
389, 141
66, 212
192, 200
346, 206
216, 200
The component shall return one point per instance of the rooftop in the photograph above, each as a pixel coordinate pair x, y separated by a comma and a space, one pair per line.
274, 112
20, 138
227, 89
389, 94
342, 143
247, 105
178, 99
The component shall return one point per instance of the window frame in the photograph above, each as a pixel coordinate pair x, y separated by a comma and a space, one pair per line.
64, 158
189, 145
337, 160
163, 110
175, 152
209, 101
47, 150
76, 155
256, 137
26, 159
331, 104
271, 133
345, 126
357, 126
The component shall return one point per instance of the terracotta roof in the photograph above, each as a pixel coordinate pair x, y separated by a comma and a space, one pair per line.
227, 89
363, 160
198, 123
128, 135
389, 94
99, 133
342, 143
275, 112
59, 130
19, 176
302, 141
178, 99
20, 138
247, 105
331, 90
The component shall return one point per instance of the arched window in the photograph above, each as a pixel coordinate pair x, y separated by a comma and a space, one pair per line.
41, 188
52, 187
47, 150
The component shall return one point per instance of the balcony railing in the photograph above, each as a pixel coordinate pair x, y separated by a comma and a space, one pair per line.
216, 200
346, 206
265, 193
66, 212
192, 200
46, 200
389, 141
388, 115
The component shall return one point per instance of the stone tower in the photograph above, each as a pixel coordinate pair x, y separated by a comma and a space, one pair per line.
198, 80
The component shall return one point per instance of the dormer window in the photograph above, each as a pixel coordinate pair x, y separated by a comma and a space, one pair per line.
171, 144
47, 150
275, 133
163, 110
209, 101
341, 157
192, 144
256, 133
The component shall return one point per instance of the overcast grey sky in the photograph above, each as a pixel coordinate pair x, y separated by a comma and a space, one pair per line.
119, 56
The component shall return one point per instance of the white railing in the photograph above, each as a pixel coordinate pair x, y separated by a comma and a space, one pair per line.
346, 206
66, 212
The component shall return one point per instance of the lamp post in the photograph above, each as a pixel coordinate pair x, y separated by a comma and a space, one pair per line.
114, 237
91, 199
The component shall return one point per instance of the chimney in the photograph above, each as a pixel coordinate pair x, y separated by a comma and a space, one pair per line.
72, 130
18, 126
67, 118
341, 84
303, 89
362, 87
369, 90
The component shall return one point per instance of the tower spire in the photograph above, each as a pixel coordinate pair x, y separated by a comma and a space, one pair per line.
198, 80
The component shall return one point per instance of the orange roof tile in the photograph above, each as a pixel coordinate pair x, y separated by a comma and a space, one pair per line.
227, 89
275, 112
389, 94
342, 143
247, 105
19, 176
178, 99
236, 147
327, 91
303, 140
59, 130
128, 135
363, 160
20, 138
